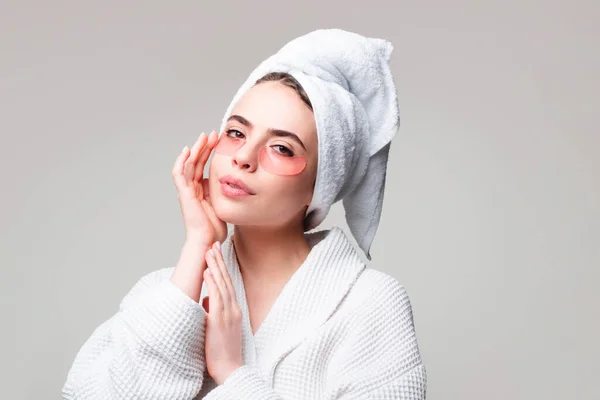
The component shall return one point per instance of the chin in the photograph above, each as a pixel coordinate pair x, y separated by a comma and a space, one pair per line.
235, 213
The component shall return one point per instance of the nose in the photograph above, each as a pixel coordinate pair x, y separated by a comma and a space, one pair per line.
246, 157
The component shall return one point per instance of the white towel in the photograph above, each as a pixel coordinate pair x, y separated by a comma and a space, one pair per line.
350, 85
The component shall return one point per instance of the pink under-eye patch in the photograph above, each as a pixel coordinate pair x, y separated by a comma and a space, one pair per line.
269, 159
227, 146
277, 164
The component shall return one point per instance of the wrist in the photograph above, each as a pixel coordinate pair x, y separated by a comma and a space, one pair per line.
196, 240
195, 245
188, 274
228, 373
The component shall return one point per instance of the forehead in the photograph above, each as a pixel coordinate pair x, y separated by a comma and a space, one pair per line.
274, 105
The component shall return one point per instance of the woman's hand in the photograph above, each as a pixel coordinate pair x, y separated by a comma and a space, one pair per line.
223, 342
202, 226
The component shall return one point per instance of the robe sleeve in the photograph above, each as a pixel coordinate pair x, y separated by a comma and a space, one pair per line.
151, 349
379, 358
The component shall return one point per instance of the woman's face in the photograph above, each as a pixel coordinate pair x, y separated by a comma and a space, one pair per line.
258, 156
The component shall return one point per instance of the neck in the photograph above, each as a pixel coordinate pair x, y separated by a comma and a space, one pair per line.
273, 254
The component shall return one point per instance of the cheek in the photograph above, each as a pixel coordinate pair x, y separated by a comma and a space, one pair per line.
216, 169
289, 191
219, 165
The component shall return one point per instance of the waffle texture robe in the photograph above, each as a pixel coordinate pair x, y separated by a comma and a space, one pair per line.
338, 330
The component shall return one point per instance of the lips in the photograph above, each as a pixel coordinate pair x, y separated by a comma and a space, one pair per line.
236, 184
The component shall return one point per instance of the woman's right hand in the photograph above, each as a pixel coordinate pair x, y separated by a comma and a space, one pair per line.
202, 225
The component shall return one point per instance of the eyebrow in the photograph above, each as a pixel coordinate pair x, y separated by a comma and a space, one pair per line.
272, 131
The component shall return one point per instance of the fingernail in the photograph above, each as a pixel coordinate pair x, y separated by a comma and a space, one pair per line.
211, 252
208, 271
218, 245
184, 149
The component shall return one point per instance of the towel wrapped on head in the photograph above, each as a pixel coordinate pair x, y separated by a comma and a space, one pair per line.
350, 85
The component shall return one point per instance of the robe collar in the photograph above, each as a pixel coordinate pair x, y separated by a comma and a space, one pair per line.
306, 301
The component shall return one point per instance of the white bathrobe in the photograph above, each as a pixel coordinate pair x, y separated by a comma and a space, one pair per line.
338, 330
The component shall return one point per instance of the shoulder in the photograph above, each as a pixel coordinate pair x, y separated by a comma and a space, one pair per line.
381, 290
145, 283
379, 337
381, 310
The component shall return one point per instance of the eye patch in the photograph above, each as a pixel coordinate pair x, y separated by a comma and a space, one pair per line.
270, 160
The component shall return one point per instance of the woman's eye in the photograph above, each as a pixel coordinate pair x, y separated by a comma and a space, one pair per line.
232, 134
284, 151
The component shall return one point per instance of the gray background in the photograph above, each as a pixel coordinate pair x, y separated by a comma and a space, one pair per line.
490, 218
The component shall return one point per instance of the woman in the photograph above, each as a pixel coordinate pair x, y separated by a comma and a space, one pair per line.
269, 311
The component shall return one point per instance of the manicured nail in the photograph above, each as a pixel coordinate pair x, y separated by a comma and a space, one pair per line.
218, 245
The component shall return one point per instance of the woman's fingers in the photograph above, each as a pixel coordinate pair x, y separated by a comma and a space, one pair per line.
189, 167
203, 156
177, 171
214, 295
206, 189
212, 216
215, 272
225, 273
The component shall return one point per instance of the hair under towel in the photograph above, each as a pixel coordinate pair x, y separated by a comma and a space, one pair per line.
350, 85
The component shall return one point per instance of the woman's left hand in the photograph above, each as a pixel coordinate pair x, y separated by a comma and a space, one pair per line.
223, 343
